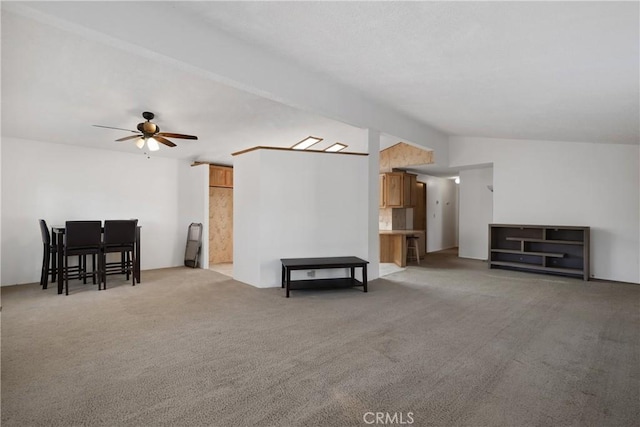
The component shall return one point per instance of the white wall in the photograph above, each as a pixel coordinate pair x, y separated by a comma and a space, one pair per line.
476, 212
62, 182
373, 229
247, 243
564, 183
290, 204
442, 212
1, 181
193, 206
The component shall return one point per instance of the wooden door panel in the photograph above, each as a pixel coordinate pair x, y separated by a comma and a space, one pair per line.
220, 225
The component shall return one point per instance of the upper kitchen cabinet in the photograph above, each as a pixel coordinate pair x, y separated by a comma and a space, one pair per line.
393, 190
220, 176
410, 190
397, 190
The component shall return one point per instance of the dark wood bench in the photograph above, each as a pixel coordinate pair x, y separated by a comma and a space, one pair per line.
351, 262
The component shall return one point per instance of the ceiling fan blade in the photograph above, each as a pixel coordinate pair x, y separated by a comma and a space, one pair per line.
176, 135
163, 140
111, 127
126, 138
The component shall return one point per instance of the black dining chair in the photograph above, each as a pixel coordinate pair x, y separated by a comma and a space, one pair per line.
119, 237
82, 238
49, 258
49, 254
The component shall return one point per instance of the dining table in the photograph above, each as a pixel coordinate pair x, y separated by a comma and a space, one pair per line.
57, 240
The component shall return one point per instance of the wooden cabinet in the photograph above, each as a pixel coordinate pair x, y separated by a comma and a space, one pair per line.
393, 190
220, 176
398, 190
540, 248
410, 190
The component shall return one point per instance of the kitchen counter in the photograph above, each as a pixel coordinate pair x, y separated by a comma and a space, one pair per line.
393, 245
405, 232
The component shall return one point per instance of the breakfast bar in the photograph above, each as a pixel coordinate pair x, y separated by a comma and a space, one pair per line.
393, 245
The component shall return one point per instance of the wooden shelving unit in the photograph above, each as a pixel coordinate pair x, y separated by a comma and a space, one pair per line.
540, 248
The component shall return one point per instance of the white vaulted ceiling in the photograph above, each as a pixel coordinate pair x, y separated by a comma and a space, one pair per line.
536, 70
563, 71
56, 85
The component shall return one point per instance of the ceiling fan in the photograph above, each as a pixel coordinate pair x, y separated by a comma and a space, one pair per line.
150, 133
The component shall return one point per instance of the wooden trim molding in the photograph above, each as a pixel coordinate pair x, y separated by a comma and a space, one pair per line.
198, 163
262, 147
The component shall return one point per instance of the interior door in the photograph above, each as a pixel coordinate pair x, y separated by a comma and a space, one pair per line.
220, 225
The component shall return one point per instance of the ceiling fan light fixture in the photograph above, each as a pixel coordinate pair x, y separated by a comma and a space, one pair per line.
152, 144
140, 143
149, 127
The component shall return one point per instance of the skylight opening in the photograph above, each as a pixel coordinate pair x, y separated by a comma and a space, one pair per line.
335, 147
306, 143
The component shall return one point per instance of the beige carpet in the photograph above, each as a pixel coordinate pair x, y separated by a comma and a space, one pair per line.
446, 343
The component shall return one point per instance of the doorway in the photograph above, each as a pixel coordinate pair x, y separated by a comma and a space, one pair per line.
221, 219
420, 216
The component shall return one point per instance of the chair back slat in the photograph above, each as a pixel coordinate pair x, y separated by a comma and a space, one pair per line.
83, 234
120, 232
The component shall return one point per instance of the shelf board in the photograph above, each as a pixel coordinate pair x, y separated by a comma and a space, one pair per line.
576, 271
343, 282
531, 239
514, 251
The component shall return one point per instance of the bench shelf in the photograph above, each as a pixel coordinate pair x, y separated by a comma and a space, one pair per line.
292, 264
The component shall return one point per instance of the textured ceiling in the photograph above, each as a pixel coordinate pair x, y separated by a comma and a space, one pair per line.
55, 85
564, 71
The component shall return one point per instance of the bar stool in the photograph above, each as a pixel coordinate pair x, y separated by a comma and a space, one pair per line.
119, 237
49, 258
82, 238
412, 246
